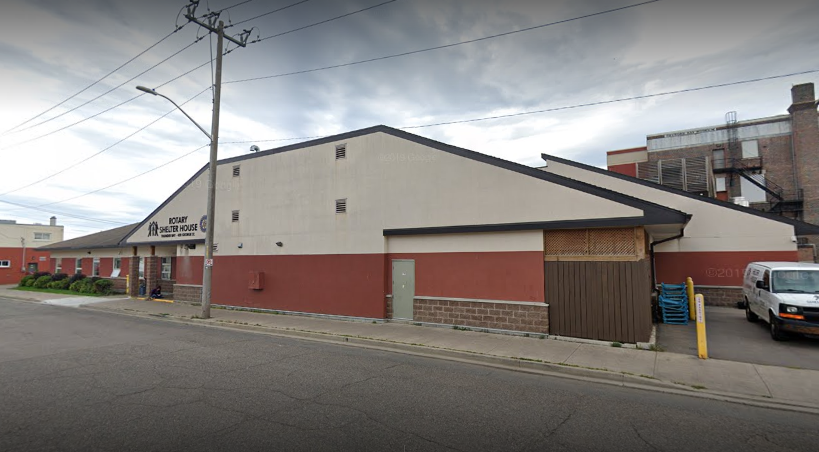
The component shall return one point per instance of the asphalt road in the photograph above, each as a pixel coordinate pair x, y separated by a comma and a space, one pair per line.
75, 379
733, 338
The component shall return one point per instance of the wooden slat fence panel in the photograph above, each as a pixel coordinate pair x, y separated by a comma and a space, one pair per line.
609, 301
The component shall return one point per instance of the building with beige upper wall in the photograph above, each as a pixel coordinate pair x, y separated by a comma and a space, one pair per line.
19, 243
380, 223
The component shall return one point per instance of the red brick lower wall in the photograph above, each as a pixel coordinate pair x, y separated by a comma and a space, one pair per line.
515, 317
720, 296
187, 293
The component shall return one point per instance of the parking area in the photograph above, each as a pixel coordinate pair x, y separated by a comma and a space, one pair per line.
733, 338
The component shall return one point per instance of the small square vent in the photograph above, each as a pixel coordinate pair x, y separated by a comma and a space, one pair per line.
341, 205
234, 216
341, 151
236, 171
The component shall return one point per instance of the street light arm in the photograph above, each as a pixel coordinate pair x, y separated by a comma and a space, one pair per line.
151, 91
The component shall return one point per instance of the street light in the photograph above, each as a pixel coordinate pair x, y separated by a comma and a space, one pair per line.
153, 91
207, 273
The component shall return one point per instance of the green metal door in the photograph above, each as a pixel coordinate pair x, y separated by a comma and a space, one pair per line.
403, 288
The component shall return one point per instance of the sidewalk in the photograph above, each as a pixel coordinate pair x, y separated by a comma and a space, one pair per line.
769, 386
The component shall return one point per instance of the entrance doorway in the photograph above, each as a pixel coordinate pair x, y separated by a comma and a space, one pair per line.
403, 288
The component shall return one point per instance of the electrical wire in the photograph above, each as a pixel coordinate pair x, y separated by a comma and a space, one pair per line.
63, 214
95, 82
127, 180
74, 165
268, 13
445, 46
101, 95
323, 21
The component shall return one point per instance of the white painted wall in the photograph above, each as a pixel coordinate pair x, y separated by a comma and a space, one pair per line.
748, 130
479, 242
627, 157
389, 183
10, 235
712, 227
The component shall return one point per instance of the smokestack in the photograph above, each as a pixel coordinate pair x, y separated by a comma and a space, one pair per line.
53, 221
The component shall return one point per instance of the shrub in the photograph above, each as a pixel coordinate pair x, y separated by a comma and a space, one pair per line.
30, 282
59, 276
103, 286
25, 280
76, 277
62, 284
38, 275
42, 282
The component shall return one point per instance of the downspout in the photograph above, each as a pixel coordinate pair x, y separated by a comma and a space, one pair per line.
23, 263
651, 254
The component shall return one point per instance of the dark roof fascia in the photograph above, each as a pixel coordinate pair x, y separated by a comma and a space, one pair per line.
179, 190
543, 225
800, 227
170, 242
651, 210
73, 248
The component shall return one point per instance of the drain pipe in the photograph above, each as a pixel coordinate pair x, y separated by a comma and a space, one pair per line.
651, 254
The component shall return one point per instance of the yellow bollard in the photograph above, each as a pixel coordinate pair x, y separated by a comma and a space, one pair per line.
689, 288
702, 342
128, 285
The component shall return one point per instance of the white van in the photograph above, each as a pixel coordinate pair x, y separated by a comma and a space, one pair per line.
784, 294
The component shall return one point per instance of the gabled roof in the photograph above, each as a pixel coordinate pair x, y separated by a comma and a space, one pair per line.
105, 239
652, 213
800, 227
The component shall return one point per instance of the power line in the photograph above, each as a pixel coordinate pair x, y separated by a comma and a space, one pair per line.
105, 149
126, 180
323, 21
95, 82
238, 4
428, 49
107, 92
269, 13
63, 214
612, 101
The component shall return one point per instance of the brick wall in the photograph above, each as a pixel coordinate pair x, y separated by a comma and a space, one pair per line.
515, 317
119, 284
133, 273
187, 293
720, 296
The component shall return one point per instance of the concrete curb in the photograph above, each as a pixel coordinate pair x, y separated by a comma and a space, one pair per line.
558, 370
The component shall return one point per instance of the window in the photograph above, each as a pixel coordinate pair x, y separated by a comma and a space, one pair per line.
141, 267
718, 158
341, 205
720, 183
95, 267
234, 217
750, 149
58, 265
236, 171
5, 264
166, 268
42, 236
766, 279
117, 266
78, 266
341, 151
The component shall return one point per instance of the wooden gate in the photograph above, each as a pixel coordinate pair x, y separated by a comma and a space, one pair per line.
598, 284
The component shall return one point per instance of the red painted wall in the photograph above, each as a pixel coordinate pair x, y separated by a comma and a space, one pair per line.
188, 269
510, 276
124, 266
106, 266
13, 274
350, 284
87, 266
629, 169
721, 268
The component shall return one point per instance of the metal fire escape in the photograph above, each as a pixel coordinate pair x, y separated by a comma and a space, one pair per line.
779, 201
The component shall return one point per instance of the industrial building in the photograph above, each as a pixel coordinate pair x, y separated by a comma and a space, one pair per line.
380, 223
770, 164
19, 248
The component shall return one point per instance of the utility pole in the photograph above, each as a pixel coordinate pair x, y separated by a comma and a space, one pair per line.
207, 274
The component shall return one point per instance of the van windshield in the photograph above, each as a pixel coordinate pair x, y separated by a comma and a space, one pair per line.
795, 281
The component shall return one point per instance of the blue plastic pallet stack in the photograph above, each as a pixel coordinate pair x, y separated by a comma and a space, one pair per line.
674, 304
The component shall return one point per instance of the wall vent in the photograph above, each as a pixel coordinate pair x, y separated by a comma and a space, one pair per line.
234, 216
236, 171
341, 151
341, 205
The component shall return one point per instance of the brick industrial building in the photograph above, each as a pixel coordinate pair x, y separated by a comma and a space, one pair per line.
19, 243
381, 223
770, 164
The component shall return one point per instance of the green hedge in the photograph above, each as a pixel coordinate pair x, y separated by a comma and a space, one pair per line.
77, 283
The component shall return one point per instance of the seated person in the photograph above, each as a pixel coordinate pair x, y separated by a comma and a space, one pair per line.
156, 293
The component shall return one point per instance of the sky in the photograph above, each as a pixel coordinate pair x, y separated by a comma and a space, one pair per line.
81, 143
